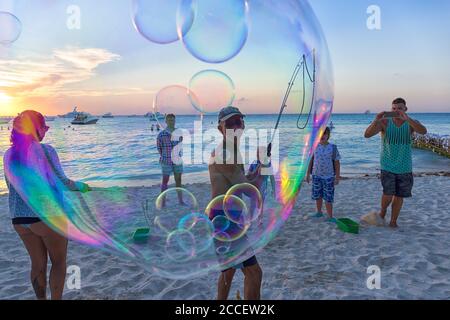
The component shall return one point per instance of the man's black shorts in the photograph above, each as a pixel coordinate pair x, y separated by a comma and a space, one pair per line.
399, 185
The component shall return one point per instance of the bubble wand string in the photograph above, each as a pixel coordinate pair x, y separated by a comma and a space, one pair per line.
313, 81
301, 65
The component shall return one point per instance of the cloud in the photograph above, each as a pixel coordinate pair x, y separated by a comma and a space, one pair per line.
48, 76
85, 59
103, 93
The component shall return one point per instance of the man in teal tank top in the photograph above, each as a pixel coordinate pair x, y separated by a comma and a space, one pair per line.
397, 179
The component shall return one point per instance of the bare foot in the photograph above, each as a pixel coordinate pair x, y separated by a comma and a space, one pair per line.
393, 225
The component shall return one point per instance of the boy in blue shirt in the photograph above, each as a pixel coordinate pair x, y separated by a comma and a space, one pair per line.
325, 168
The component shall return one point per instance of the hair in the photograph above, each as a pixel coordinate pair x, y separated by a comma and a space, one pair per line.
24, 133
25, 128
399, 101
170, 115
327, 131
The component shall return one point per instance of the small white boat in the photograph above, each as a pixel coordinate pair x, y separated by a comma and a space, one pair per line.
5, 120
83, 118
155, 116
108, 115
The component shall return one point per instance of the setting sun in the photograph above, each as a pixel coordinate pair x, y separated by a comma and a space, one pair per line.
4, 98
6, 107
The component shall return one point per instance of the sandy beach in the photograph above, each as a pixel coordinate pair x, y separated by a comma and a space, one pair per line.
309, 259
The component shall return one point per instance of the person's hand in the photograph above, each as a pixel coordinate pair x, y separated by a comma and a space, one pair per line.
308, 178
258, 171
402, 115
380, 116
336, 180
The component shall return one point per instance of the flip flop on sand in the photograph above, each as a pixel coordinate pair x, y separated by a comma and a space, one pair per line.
316, 215
331, 220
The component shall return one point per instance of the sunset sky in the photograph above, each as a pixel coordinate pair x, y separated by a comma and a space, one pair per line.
107, 66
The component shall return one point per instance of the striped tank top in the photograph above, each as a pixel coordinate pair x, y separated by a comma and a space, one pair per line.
396, 148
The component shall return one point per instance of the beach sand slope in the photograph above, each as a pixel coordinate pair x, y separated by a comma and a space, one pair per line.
309, 259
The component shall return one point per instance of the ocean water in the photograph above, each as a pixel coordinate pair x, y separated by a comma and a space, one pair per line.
122, 150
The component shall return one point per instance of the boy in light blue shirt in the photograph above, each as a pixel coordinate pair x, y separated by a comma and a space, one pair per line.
325, 168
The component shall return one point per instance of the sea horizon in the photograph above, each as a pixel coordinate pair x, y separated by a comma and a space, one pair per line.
106, 155
212, 115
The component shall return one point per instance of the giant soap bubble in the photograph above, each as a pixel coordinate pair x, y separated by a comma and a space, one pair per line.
156, 20
10, 28
211, 90
279, 60
218, 30
173, 99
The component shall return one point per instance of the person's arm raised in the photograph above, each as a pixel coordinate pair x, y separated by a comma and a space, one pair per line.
414, 124
375, 127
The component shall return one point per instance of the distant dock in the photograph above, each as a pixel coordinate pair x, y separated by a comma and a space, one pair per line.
433, 142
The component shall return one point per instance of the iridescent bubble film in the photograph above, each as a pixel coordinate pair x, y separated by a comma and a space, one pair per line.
172, 206
268, 55
229, 215
156, 20
219, 29
211, 90
10, 28
173, 99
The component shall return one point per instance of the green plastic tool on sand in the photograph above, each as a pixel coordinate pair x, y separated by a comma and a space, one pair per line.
141, 235
348, 225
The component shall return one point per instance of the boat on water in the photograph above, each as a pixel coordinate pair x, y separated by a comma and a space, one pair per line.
108, 115
69, 115
155, 116
5, 120
367, 112
83, 118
